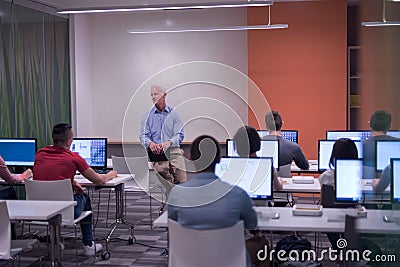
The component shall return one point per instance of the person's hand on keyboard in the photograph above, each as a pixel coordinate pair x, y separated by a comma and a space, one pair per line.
112, 174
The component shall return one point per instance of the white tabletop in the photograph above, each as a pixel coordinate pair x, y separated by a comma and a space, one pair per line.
121, 178
289, 186
373, 223
39, 210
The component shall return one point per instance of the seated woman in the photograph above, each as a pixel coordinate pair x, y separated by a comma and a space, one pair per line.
247, 143
344, 148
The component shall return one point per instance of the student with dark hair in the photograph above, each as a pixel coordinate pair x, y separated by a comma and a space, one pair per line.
247, 143
205, 201
57, 162
288, 151
343, 148
380, 122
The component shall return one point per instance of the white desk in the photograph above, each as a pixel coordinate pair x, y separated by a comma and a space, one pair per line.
290, 187
49, 211
312, 169
118, 184
373, 223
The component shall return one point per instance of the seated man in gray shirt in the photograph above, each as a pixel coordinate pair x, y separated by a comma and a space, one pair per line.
380, 122
205, 201
288, 151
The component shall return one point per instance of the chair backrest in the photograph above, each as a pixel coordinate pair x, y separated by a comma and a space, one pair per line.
60, 190
211, 248
327, 196
5, 232
133, 165
350, 233
8, 192
284, 171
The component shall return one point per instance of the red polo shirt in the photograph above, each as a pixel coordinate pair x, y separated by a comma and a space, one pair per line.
57, 163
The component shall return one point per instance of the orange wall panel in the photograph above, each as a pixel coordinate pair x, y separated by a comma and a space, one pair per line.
302, 70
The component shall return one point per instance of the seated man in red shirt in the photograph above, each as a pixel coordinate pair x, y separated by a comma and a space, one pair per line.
57, 162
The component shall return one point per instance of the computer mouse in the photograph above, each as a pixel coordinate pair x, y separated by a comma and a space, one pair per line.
275, 215
387, 219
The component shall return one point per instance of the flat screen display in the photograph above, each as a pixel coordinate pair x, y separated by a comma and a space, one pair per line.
385, 150
325, 150
354, 135
93, 150
291, 135
18, 151
395, 180
269, 148
253, 175
348, 175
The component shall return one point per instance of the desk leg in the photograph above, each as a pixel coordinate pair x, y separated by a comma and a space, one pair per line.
55, 252
120, 215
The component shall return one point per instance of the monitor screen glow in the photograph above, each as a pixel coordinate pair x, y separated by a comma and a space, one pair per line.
93, 150
354, 135
291, 135
254, 175
269, 148
395, 180
386, 149
348, 175
325, 150
18, 151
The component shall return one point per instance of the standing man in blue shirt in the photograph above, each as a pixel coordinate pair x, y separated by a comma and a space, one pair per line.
161, 133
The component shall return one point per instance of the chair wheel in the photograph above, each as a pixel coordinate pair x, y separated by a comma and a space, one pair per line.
131, 240
105, 255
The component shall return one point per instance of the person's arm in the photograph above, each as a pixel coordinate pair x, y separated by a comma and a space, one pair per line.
12, 178
248, 214
145, 131
177, 129
277, 181
380, 185
96, 178
300, 159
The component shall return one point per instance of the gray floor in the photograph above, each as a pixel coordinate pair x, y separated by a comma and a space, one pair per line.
150, 243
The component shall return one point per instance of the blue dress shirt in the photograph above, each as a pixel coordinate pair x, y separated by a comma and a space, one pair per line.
160, 126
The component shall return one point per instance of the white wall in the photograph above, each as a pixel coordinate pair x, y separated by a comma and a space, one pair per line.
115, 69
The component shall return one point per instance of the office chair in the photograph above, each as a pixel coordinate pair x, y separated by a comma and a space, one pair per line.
211, 248
11, 249
58, 191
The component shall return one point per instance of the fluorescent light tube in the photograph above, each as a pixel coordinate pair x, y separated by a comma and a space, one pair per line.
213, 29
162, 7
380, 23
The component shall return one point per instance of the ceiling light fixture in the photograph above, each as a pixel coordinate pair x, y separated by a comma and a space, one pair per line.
383, 22
268, 26
142, 8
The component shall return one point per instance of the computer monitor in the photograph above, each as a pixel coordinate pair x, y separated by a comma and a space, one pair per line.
394, 133
354, 135
269, 148
325, 150
384, 151
348, 175
18, 151
291, 135
395, 180
93, 150
253, 175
